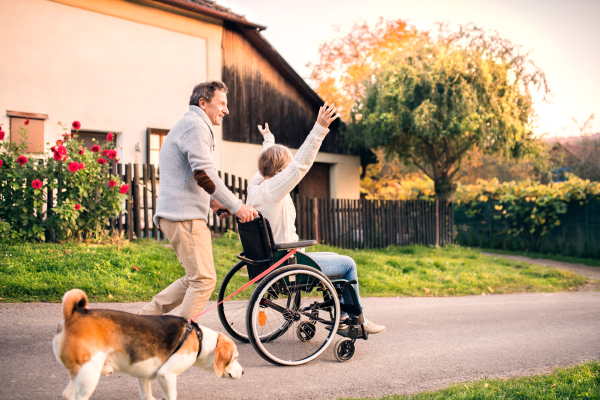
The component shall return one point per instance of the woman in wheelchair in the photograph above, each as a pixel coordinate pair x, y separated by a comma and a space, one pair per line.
269, 192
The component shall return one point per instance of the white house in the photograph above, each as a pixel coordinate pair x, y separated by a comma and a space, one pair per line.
129, 67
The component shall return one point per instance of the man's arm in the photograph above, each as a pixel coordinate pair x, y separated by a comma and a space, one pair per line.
195, 146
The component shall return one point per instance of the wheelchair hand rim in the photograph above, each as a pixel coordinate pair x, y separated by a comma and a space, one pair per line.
273, 278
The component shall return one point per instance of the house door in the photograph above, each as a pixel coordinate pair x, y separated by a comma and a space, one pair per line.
316, 182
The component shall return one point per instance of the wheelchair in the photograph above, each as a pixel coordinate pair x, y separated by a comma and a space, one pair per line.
293, 313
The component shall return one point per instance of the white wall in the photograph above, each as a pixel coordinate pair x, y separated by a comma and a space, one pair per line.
107, 72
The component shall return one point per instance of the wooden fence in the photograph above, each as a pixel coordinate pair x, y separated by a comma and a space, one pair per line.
339, 222
374, 223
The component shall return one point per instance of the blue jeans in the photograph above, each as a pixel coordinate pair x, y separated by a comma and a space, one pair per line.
333, 264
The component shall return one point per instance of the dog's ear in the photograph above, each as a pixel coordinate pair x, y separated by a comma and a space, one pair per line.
223, 354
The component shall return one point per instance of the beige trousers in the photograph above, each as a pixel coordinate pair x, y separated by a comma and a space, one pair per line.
186, 297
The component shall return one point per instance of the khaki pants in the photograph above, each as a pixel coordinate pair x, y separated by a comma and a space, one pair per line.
186, 297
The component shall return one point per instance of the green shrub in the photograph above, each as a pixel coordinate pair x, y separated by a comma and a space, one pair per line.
86, 197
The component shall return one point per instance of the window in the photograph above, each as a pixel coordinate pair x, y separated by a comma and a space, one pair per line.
35, 129
87, 135
154, 140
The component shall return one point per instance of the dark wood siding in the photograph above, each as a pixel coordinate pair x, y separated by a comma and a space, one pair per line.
259, 93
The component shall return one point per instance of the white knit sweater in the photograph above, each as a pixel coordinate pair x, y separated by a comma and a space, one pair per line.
272, 196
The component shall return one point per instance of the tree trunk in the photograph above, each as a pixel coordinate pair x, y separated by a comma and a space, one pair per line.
444, 187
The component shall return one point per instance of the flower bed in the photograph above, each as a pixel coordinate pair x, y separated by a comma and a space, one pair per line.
65, 191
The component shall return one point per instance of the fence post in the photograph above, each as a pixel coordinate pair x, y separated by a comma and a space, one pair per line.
153, 192
437, 223
128, 202
136, 201
316, 216
145, 194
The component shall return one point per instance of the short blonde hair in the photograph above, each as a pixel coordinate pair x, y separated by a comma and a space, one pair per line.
273, 160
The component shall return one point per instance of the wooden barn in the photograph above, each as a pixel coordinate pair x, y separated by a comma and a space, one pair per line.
129, 66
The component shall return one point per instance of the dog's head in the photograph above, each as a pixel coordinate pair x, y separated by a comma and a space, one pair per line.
226, 364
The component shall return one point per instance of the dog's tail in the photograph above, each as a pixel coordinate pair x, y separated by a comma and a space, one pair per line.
73, 300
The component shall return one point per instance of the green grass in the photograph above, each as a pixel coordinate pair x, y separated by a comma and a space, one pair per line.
44, 272
592, 262
579, 382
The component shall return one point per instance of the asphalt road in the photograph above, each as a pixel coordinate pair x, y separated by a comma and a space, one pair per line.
430, 343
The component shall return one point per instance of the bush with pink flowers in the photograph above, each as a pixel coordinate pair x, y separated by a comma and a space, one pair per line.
83, 201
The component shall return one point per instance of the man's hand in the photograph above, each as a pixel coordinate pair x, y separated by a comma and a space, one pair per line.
246, 213
216, 206
326, 115
264, 131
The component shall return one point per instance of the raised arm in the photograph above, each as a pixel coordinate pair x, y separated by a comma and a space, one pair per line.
277, 187
268, 141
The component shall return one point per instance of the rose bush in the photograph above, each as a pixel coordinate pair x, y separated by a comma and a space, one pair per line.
84, 202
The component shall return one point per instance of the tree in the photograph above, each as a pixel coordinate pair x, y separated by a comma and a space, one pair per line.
348, 60
442, 95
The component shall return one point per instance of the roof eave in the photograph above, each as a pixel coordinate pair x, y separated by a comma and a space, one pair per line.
199, 9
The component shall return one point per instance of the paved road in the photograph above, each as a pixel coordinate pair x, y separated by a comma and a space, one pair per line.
430, 343
581, 269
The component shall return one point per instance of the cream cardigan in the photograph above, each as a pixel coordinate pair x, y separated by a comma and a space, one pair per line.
272, 196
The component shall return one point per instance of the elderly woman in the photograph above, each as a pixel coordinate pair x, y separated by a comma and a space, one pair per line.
269, 192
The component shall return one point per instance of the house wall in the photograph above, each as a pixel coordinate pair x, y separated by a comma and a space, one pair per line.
112, 65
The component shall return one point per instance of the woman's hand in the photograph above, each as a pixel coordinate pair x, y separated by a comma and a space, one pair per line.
264, 131
326, 115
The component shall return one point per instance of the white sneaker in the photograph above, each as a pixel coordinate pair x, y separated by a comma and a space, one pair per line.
372, 328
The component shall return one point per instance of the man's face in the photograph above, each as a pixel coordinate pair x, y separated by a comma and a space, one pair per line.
217, 108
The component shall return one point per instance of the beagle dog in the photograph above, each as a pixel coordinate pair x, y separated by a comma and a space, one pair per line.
89, 343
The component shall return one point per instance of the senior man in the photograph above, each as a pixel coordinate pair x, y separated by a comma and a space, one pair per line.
189, 186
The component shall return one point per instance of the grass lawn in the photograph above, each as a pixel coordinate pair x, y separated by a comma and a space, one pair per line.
592, 262
579, 382
137, 271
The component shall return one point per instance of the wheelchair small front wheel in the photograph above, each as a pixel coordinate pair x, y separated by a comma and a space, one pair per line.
344, 349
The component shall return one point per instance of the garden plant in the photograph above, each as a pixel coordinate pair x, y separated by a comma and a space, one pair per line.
69, 190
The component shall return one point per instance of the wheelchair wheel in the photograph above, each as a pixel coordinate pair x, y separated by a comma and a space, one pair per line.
344, 349
232, 313
284, 306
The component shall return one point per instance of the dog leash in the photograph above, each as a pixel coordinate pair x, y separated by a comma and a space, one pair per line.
262, 275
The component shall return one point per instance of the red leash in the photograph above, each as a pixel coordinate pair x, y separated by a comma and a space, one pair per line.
277, 264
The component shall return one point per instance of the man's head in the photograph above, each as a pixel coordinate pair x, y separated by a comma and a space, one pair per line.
212, 98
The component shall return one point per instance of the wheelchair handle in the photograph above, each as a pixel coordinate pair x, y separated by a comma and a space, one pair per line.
220, 212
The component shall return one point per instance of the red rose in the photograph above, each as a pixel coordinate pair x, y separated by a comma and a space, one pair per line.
81, 165
77, 207
65, 157
53, 148
62, 150
112, 183
73, 167
2, 133
1, 163
110, 136
59, 142
76, 125
95, 148
112, 154
105, 152
37, 184
124, 189
81, 150
22, 160
72, 134
27, 121
102, 161
57, 156
117, 159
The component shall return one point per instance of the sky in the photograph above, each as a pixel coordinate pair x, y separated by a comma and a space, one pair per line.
562, 36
